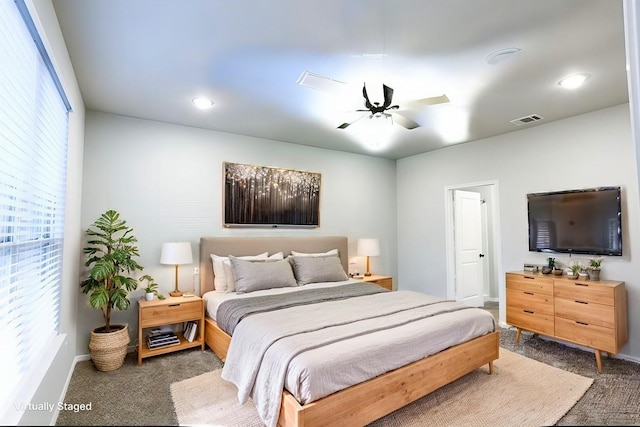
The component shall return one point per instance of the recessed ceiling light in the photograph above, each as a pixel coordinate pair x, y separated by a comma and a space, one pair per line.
501, 55
574, 81
202, 103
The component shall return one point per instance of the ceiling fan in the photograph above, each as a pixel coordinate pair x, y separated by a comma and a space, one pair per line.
386, 109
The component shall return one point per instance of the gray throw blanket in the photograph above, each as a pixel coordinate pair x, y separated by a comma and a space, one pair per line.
231, 312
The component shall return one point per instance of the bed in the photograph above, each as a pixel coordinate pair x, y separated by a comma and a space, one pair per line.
378, 390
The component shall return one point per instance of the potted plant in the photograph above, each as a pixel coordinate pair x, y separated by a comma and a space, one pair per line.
551, 262
151, 288
576, 268
111, 253
593, 269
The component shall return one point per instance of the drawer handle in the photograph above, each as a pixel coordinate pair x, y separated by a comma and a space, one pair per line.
582, 323
528, 311
582, 284
174, 305
529, 293
529, 277
581, 302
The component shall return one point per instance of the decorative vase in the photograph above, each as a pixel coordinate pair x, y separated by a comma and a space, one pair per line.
108, 349
594, 274
148, 296
546, 270
572, 275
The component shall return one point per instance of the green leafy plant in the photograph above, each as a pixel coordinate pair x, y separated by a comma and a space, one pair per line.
551, 262
576, 267
111, 253
152, 286
594, 264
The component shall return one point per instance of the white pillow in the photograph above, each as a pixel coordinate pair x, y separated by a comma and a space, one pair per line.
228, 270
219, 273
328, 253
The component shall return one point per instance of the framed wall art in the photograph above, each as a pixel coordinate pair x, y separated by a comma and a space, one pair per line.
266, 196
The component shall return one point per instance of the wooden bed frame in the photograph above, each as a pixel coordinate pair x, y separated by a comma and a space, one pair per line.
365, 402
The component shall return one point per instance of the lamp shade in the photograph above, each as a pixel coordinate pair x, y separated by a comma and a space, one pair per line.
368, 247
176, 253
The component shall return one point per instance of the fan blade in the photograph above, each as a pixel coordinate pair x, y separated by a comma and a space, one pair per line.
405, 122
433, 100
346, 125
366, 98
388, 95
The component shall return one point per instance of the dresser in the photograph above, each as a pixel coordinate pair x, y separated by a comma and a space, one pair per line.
584, 312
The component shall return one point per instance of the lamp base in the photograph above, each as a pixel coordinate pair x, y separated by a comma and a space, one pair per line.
368, 273
175, 293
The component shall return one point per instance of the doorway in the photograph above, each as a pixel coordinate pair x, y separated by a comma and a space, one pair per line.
489, 254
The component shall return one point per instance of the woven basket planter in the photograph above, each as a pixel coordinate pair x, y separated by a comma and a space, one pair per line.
108, 350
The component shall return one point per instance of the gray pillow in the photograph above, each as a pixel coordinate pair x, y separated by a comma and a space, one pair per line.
317, 269
257, 275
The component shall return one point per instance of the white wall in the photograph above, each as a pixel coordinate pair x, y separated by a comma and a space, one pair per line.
589, 150
53, 386
166, 181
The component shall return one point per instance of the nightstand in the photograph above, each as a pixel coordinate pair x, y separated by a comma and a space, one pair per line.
384, 281
168, 311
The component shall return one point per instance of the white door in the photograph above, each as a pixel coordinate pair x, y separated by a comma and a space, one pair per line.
468, 248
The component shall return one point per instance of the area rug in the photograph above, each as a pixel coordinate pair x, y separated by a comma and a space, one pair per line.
521, 391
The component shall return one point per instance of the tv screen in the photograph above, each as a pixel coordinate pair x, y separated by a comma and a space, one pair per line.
585, 221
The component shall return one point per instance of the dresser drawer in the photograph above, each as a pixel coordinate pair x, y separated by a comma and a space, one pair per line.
587, 312
170, 313
531, 301
530, 320
584, 291
589, 335
537, 285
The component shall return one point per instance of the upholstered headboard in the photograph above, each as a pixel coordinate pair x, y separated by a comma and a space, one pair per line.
239, 246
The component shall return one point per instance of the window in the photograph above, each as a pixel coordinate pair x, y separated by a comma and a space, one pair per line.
33, 153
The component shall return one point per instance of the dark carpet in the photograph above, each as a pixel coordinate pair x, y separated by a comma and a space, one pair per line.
140, 395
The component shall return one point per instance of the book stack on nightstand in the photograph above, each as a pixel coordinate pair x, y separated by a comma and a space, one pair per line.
161, 338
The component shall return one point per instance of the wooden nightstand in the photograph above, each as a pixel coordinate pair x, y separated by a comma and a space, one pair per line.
384, 281
168, 311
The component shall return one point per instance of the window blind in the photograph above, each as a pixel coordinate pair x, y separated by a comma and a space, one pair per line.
33, 153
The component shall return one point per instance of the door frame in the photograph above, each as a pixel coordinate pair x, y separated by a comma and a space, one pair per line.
495, 256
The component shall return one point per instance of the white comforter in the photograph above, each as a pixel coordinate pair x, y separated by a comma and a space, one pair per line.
318, 349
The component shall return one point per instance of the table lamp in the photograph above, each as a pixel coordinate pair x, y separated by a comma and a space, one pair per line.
176, 253
368, 247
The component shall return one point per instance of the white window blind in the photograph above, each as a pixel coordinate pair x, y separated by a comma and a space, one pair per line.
33, 153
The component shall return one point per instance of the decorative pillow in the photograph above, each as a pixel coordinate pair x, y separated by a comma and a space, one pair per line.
261, 274
328, 253
228, 271
314, 269
219, 272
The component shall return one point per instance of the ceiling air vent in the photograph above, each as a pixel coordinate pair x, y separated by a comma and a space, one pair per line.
527, 119
316, 81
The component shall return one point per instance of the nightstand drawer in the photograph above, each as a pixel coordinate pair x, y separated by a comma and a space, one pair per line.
171, 313
588, 312
593, 336
530, 301
530, 320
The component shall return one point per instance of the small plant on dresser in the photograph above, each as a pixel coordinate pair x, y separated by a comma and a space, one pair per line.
593, 269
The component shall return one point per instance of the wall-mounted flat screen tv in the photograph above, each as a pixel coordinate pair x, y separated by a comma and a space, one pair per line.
587, 221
